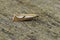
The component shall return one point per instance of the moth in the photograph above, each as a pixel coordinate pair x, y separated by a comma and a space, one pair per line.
24, 17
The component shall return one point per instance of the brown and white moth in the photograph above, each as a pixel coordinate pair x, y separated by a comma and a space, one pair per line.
23, 17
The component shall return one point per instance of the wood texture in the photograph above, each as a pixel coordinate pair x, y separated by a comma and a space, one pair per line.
45, 27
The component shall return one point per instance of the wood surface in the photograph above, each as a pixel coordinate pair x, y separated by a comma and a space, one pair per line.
45, 27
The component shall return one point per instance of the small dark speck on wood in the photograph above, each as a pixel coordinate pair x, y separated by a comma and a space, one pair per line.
7, 32
19, 1
31, 37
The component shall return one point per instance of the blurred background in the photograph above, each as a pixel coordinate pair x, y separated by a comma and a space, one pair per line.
45, 27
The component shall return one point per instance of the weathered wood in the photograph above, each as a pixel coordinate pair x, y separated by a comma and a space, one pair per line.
45, 27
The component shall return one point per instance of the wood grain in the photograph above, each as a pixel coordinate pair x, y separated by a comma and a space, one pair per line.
45, 27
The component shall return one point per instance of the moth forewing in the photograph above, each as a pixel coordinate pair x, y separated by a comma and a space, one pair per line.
22, 17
